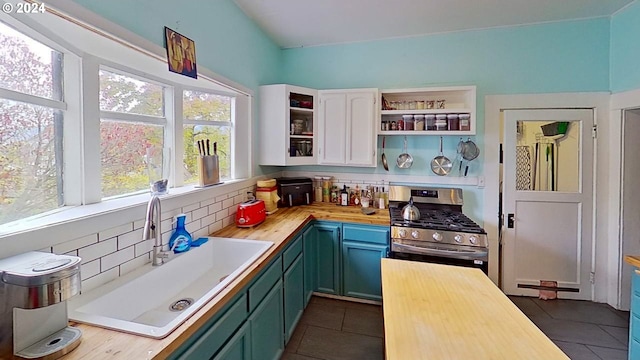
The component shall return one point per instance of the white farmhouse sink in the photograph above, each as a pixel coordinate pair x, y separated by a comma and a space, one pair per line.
140, 301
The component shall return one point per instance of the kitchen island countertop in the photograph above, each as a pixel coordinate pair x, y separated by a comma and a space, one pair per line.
434, 311
99, 343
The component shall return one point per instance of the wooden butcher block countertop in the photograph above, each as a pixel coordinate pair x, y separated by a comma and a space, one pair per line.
437, 312
99, 343
633, 260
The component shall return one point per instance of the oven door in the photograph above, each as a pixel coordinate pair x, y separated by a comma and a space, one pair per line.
447, 254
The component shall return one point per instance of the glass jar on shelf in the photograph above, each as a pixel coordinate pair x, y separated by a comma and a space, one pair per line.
465, 122
453, 122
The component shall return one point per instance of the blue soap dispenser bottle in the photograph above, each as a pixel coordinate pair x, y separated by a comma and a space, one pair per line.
180, 240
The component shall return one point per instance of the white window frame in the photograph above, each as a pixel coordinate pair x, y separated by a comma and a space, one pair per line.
82, 167
230, 123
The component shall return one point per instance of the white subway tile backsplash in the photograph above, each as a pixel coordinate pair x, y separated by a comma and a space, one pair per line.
207, 202
117, 258
129, 239
115, 231
213, 208
227, 203
222, 214
208, 220
131, 265
87, 270
189, 208
100, 279
143, 247
98, 250
75, 244
217, 226
200, 213
119, 250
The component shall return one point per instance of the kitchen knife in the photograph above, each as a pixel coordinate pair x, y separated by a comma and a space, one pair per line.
199, 147
215, 148
208, 153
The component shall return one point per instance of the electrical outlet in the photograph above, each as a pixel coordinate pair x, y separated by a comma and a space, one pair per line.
480, 182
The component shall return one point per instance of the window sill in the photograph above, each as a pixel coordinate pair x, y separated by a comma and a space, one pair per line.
68, 214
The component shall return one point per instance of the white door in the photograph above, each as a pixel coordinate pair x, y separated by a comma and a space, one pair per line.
548, 201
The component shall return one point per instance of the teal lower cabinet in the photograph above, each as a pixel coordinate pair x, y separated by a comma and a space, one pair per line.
363, 246
361, 270
310, 262
327, 250
267, 329
209, 341
634, 317
238, 347
293, 280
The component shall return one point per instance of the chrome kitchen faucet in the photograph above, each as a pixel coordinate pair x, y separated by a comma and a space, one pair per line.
152, 224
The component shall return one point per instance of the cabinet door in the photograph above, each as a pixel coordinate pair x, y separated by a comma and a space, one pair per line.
328, 252
267, 332
309, 253
361, 269
293, 297
333, 117
238, 347
361, 119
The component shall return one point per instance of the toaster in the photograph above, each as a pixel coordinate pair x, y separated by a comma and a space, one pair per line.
250, 213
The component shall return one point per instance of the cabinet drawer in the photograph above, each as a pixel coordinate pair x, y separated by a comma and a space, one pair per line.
265, 282
213, 339
292, 252
634, 329
634, 349
366, 233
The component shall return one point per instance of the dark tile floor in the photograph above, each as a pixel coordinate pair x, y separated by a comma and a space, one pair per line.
336, 330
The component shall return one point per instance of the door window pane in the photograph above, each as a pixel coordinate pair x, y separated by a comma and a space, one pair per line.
548, 156
28, 66
126, 94
219, 134
122, 149
30, 160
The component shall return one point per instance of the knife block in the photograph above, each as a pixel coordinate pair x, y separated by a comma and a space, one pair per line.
208, 170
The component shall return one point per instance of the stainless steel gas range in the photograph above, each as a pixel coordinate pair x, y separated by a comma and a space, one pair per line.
442, 234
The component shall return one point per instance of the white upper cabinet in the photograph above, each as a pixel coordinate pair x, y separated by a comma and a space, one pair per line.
288, 125
347, 127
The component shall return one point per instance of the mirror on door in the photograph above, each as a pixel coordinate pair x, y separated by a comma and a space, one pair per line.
548, 156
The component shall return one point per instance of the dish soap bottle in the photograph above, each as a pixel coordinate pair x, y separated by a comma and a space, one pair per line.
180, 240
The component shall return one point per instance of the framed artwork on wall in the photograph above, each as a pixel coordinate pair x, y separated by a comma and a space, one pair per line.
181, 53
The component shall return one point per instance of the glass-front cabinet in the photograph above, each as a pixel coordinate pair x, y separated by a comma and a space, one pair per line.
288, 125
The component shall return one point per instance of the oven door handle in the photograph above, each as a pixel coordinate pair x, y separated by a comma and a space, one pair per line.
431, 251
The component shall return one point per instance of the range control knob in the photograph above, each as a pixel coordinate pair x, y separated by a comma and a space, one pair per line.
415, 234
458, 238
437, 236
402, 232
473, 240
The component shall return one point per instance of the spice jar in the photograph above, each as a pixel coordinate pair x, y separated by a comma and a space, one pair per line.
453, 121
430, 104
465, 123
419, 105
394, 126
419, 122
440, 104
400, 125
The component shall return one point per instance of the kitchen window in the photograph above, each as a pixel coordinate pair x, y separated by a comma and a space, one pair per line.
31, 121
207, 116
131, 121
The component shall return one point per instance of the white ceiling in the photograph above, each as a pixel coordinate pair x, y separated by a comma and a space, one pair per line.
295, 23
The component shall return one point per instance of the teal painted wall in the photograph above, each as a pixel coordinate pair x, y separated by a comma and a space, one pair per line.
570, 56
625, 49
227, 41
